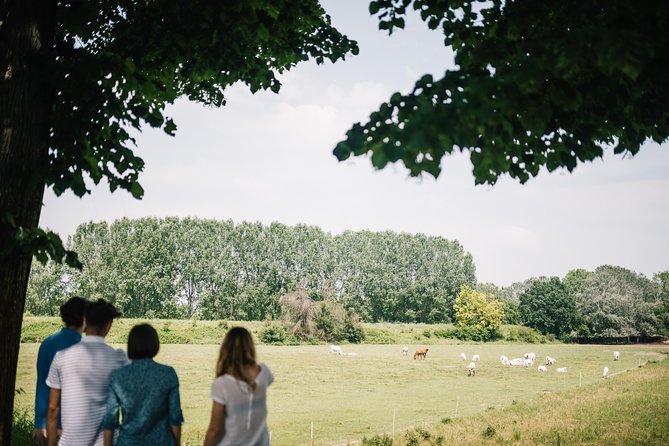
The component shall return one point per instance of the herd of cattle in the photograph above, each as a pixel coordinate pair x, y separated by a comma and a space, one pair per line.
527, 360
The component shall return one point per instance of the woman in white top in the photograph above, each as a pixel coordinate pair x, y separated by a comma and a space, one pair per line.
239, 394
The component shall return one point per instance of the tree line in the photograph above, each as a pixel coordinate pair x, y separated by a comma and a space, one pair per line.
210, 269
184, 268
609, 302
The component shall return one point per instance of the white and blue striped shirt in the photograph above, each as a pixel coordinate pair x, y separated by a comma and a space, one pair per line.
82, 373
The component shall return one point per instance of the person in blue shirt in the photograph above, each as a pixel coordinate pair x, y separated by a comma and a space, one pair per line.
146, 396
72, 314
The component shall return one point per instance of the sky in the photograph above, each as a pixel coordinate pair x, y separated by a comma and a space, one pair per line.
268, 157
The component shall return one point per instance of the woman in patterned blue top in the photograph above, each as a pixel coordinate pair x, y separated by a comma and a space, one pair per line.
145, 394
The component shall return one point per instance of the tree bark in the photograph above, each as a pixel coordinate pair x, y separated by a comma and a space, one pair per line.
26, 91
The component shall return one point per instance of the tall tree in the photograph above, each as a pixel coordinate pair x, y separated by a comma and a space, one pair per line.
615, 301
548, 307
536, 84
478, 311
78, 75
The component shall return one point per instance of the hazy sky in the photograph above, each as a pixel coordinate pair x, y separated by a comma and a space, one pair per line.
268, 157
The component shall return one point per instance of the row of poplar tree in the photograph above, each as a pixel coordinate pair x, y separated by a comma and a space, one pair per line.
209, 269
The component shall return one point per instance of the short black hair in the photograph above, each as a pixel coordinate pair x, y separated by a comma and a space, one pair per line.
100, 313
72, 312
143, 342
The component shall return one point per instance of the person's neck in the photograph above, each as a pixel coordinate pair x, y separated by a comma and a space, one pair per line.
75, 328
90, 332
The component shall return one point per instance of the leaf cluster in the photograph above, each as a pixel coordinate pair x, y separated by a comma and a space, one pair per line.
535, 85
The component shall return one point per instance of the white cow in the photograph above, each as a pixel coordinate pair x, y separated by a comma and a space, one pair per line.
561, 370
476, 358
531, 356
463, 356
605, 373
471, 369
405, 350
527, 362
504, 360
550, 360
542, 368
616, 356
517, 361
336, 349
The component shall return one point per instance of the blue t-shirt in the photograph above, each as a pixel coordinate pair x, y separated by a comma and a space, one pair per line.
58, 341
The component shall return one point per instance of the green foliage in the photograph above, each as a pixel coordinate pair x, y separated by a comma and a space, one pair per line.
181, 268
617, 302
273, 333
38, 329
525, 335
22, 428
478, 316
377, 440
489, 432
548, 307
534, 85
353, 331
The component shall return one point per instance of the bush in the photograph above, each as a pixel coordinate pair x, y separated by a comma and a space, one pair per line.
525, 335
22, 428
273, 333
377, 440
353, 331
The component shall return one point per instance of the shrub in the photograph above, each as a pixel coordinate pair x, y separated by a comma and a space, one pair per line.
273, 333
526, 335
353, 328
489, 432
22, 428
377, 440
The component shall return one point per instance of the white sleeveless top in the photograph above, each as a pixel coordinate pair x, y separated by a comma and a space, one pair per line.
245, 410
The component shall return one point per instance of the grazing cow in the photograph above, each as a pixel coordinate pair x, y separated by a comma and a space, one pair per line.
471, 369
605, 373
550, 360
504, 360
463, 356
528, 362
561, 370
476, 358
516, 361
531, 356
542, 368
405, 351
616, 356
336, 349
420, 353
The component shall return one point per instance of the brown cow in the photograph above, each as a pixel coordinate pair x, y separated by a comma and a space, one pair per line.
421, 352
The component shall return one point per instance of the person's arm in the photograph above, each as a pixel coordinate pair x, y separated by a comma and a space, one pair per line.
52, 417
176, 433
108, 437
216, 428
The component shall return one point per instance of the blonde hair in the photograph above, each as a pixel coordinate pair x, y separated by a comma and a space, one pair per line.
237, 351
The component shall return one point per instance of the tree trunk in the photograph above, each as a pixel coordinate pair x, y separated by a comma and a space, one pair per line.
26, 42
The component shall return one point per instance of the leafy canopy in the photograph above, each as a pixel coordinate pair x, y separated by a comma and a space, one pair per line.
536, 84
479, 311
116, 65
548, 307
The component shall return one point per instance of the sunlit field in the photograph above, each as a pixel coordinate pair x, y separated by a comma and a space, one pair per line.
377, 390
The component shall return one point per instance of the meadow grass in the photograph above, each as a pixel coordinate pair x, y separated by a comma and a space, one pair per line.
626, 409
351, 397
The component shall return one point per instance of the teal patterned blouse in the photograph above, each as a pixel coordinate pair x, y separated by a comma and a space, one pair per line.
146, 396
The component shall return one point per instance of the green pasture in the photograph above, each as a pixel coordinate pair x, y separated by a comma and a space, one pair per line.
377, 390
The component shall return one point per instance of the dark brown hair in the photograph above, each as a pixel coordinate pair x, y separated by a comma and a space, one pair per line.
237, 351
72, 312
99, 313
143, 342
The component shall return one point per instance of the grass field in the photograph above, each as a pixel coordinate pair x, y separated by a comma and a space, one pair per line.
351, 397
